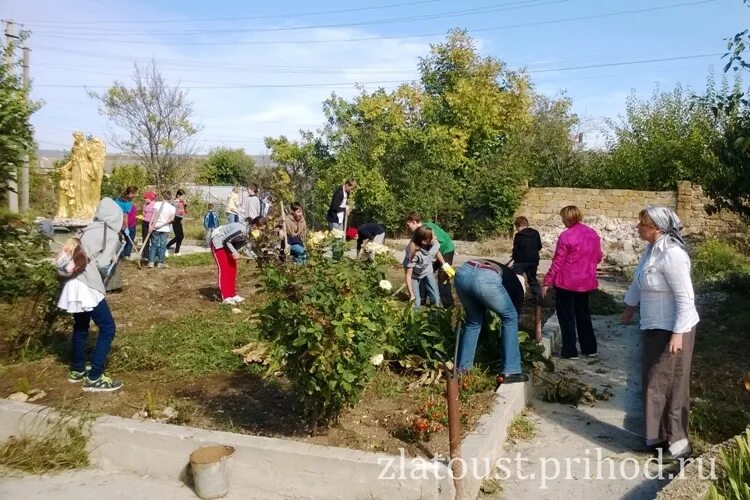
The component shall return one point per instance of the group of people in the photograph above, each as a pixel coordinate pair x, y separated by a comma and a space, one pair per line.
661, 287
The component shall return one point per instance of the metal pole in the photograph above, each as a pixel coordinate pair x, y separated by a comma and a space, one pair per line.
12, 186
25, 158
454, 418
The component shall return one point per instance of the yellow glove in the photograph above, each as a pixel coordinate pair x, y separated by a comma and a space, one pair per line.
448, 269
255, 233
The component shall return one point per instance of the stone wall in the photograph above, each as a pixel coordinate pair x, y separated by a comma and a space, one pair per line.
542, 206
691, 208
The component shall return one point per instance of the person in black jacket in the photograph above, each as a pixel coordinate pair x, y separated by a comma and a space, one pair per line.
339, 205
526, 247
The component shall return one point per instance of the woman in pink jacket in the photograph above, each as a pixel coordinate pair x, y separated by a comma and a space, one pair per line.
573, 274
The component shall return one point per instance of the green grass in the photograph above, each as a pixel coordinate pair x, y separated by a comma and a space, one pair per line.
194, 344
192, 260
734, 482
61, 447
522, 428
721, 404
717, 259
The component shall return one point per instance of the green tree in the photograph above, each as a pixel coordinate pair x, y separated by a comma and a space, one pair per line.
659, 142
437, 146
729, 184
122, 176
548, 149
156, 121
227, 166
16, 132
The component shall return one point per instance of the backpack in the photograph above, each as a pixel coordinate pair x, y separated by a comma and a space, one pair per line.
72, 260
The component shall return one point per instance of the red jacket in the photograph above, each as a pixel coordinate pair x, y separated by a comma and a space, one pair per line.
577, 254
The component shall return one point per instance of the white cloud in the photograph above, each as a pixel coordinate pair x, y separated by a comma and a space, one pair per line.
237, 116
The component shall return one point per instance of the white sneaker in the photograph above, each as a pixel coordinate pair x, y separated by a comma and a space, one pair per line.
229, 301
238, 299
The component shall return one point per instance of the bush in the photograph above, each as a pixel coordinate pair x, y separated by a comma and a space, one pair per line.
715, 259
325, 321
735, 478
28, 286
122, 176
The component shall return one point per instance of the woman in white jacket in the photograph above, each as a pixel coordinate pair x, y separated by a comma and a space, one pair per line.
663, 289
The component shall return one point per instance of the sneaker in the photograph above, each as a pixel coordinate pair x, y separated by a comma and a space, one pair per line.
102, 384
228, 301
74, 376
669, 458
237, 299
161, 265
150, 264
592, 355
570, 357
510, 379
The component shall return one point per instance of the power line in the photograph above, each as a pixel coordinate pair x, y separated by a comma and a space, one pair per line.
403, 19
233, 19
396, 37
349, 84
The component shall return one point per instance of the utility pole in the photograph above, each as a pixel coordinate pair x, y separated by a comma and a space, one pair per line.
25, 159
12, 186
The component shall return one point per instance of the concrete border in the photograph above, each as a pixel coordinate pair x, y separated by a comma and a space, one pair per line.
284, 468
279, 468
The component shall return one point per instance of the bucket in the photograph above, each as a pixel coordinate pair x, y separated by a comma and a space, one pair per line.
210, 467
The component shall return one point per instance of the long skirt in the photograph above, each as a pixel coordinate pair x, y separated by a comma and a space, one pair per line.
666, 386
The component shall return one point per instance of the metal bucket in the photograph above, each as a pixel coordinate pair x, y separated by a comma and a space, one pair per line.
210, 466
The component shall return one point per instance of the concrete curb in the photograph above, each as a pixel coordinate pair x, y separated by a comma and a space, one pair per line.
551, 337
481, 448
278, 467
291, 469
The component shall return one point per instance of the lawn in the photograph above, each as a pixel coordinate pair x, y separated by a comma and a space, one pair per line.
173, 348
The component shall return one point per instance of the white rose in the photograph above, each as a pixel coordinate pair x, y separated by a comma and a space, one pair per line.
377, 360
385, 285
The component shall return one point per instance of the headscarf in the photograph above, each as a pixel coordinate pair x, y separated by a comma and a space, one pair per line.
667, 221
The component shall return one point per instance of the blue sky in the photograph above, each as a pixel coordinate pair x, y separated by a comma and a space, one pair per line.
260, 68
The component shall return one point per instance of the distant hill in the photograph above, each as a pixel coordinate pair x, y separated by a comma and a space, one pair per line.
48, 157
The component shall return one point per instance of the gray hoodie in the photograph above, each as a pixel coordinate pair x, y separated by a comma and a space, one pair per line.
101, 252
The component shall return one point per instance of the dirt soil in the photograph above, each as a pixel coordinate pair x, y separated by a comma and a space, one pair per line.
240, 401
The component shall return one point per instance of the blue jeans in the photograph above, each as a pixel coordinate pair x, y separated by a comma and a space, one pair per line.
232, 218
298, 253
479, 290
157, 247
102, 317
431, 287
128, 242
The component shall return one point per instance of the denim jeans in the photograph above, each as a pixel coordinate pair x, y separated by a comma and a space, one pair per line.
232, 218
158, 247
479, 290
102, 317
431, 287
298, 253
128, 242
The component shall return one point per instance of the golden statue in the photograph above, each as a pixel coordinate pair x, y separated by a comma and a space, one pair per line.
81, 179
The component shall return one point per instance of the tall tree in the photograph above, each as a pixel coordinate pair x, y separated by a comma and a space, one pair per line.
156, 120
227, 166
729, 184
16, 132
660, 141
